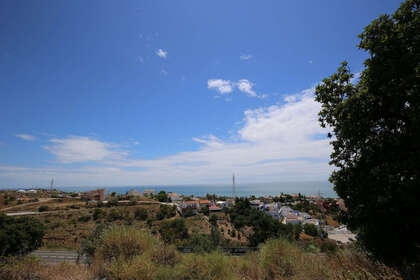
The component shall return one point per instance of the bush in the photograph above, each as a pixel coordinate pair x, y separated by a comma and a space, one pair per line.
98, 214
43, 208
141, 214
166, 211
19, 235
310, 229
170, 231
85, 218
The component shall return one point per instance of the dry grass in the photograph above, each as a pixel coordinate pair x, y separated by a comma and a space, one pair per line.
30, 268
124, 252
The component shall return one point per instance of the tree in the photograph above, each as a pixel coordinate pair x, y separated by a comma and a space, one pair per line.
162, 197
173, 230
375, 136
310, 229
19, 235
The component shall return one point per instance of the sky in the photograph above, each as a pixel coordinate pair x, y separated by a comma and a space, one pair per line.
112, 93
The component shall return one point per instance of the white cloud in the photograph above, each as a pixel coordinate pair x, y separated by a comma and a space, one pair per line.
161, 53
246, 86
245, 57
275, 143
226, 86
222, 86
163, 72
83, 149
26, 137
136, 143
310, 61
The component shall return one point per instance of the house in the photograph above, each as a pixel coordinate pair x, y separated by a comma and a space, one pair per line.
291, 219
304, 215
257, 204
31, 191
174, 197
191, 204
214, 209
285, 210
148, 192
204, 203
221, 204
341, 235
99, 194
133, 193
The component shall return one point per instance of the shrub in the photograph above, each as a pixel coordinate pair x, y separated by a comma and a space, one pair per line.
170, 231
85, 218
310, 229
98, 214
43, 208
19, 235
140, 214
166, 211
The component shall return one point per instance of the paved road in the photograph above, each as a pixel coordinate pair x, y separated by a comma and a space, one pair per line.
22, 213
53, 256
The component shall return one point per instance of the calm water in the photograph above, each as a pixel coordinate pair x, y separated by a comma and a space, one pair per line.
257, 189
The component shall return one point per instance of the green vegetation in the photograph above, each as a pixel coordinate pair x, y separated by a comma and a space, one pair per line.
375, 135
141, 214
174, 230
127, 253
19, 235
166, 211
162, 197
263, 225
43, 208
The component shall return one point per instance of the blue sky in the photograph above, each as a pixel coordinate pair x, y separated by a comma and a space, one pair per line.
170, 92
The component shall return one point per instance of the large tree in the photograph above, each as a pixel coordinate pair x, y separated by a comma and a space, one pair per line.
375, 134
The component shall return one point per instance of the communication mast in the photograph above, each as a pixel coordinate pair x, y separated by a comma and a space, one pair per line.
52, 183
233, 187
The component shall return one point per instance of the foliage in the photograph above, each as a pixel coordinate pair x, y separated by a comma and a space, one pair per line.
204, 210
141, 214
43, 208
263, 225
166, 211
310, 229
200, 243
162, 197
98, 213
19, 235
84, 218
173, 230
213, 220
376, 137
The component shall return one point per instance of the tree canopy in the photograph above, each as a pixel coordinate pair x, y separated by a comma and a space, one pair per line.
19, 235
375, 134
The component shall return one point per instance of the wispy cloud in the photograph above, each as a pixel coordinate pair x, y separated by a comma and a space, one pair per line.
26, 137
245, 57
163, 72
226, 87
83, 149
161, 53
222, 86
310, 61
245, 85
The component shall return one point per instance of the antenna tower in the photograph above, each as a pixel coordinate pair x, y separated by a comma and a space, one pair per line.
52, 183
233, 187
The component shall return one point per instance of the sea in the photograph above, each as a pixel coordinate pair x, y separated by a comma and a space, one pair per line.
323, 188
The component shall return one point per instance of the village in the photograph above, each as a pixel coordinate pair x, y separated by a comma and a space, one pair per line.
294, 209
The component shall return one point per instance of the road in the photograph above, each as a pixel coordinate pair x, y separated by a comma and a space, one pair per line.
56, 256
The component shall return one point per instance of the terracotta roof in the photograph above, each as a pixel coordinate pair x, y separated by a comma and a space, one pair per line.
190, 202
214, 208
205, 202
